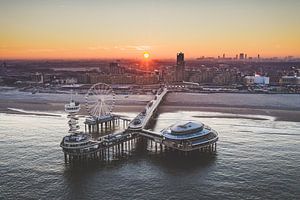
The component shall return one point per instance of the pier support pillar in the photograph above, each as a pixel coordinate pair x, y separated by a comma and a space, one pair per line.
97, 127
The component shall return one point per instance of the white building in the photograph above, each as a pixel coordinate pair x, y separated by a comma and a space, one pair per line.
256, 80
290, 80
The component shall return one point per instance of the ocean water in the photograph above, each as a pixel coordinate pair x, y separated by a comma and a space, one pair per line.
257, 158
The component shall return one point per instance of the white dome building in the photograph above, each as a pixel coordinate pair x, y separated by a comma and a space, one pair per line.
189, 136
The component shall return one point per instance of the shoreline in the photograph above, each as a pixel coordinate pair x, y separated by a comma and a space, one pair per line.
279, 114
282, 107
33, 109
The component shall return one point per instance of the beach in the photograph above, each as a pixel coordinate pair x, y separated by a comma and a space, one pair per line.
284, 107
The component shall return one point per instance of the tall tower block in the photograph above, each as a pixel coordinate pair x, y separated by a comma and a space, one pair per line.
180, 64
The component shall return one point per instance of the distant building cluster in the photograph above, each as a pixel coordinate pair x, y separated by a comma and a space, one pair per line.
145, 79
290, 80
214, 76
204, 72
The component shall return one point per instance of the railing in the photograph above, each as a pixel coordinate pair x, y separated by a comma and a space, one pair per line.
156, 136
145, 116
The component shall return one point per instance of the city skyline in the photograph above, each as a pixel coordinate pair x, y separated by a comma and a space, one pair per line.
117, 29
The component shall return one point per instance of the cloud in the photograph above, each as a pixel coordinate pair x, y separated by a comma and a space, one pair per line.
45, 50
40, 50
140, 48
95, 48
133, 48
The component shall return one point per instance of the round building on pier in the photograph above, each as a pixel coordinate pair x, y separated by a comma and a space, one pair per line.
189, 136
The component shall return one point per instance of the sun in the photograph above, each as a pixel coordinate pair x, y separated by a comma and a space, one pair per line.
146, 55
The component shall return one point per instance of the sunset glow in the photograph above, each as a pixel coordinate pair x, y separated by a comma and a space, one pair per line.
126, 29
146, 55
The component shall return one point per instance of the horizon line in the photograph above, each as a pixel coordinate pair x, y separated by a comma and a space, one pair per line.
151, 59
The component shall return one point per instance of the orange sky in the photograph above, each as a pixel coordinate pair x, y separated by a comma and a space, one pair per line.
126, 29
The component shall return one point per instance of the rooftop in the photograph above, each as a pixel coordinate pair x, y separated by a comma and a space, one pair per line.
182, 127
80, 137
186, 136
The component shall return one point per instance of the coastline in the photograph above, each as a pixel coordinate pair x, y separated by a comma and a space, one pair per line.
32, 108
282, 107
280, 115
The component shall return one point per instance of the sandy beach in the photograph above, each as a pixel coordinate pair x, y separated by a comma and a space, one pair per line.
283, 107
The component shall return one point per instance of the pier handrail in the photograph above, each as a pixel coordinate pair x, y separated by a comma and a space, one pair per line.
149, 111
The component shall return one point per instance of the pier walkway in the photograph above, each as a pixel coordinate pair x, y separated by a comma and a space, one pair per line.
141, 121
138, 125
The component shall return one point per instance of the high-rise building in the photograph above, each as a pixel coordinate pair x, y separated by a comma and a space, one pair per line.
180, 58
258, 56
180, 64
246, 56
241, 56
115, 68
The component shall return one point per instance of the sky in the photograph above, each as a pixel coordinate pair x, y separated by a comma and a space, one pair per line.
126, 28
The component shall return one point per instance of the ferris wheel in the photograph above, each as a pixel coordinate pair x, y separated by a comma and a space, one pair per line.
100, 100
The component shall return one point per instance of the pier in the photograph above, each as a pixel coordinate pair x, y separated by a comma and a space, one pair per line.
103, 124
120, 144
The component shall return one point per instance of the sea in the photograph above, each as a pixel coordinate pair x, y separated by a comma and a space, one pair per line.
257, 157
